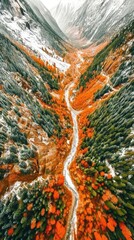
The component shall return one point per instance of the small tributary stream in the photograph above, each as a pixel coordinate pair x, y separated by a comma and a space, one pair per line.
72, 225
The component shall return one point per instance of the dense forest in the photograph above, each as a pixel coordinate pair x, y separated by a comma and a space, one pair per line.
66, 136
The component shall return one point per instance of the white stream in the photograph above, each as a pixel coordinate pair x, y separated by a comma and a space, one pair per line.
72, 225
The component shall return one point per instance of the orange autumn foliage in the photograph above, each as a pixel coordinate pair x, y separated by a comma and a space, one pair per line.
114, 199
56, 195
99, 214
33, 223
95, 187
125, 231
106, 207
38, 225
42, 213
102, 174
110, 227
103, 223
58, 212
29, 206
111, 224
31, 55
60, 180
97, 236
81, 187
51, 183
84, 163
37, 237
56, 237
60, 230
90, 132
24, 214
89, 210
88, 178
38, 60
40, 237
109, 176
83, 151
107, 195
86, 97
52, 221
52, 209
104, 237
48, 229
10, 231
49, 189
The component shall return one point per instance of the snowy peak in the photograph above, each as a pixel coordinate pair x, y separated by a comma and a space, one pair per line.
65, 15
93, 20
44, 14
61, 10
98, 18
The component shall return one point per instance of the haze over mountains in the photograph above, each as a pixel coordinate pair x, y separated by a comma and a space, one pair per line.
79, 23
93, 20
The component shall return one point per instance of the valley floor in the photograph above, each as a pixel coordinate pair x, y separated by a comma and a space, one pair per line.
79, 199
90, 197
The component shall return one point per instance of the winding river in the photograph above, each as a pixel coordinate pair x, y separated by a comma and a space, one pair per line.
72, 225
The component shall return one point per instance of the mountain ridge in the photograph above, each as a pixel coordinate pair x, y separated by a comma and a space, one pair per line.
29, 21
94, 20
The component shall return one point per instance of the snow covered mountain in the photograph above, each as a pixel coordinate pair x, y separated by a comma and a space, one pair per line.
65, 15
33, 26
93, 19
43, 14
66, 10
98, 18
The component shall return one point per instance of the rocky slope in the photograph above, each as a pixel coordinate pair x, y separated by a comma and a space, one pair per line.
34, 27
66, 23
93, 20
99, 18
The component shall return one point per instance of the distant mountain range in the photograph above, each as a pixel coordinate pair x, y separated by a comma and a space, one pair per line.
93, 20
79, 24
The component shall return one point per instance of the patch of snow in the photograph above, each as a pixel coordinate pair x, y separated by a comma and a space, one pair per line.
45, 141
15, 189
32, 39
55, 95
112, 170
